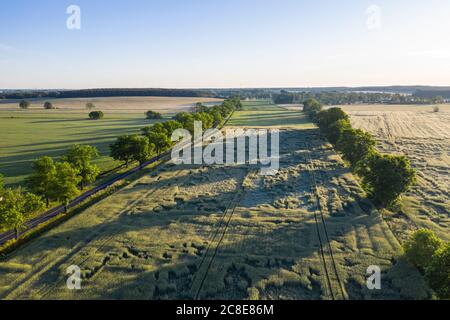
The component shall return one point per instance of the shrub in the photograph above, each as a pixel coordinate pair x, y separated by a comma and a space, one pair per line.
438, 272
386, 177
420, 249
96, 115
312, 107
90, 106
336, 129
152, 115
355, 145
48, 105
327, 117
24, 104
436, 109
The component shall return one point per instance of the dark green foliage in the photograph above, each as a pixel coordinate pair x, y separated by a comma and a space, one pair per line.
80, 158
64, 185
386, 177
438, 272
152, 115
16, 206
48, 105
420, 248
336, 129
121, 149
40, 182
312, 107
24, 104
96, 115
326, 118
284, 98
355, 145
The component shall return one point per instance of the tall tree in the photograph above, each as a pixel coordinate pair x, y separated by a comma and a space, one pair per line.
40, 181
141, 148
15, 207
387, 177
121, 149
80, 158
64, 185
355, 145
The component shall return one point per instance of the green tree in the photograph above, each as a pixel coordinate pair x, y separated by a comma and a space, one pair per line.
48, 105
24, 104
15, 207
80, 158
141, 148
312, 107
336, 129
205, 118
160, 140
64, 186
355, 145
327, 117
40, 181
96, 115
387, 176
2, 182
438, 272
420, 248
121, 149
152, 115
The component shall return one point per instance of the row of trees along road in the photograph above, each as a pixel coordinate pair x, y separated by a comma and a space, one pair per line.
385, 177
62, 181
50, 181
156, 139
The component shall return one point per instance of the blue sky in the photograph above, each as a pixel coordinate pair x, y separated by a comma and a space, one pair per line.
223, 43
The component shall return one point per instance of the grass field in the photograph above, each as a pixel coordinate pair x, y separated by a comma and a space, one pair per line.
220, 232
267, 115
30, 134
424, 137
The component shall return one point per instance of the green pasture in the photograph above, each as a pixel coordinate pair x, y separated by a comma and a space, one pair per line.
26, 136
265, 114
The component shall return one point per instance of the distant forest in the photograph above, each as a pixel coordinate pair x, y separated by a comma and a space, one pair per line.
98, 93
326, 95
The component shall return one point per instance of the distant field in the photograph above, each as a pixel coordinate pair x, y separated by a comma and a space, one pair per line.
26, 135
424, 137
114, 104
266, 115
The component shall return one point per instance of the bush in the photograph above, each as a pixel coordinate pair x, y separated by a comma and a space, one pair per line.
327, 117
420, 249
355, 146
90, 106
152, 115
438, 272
336, 129
386, 177
48, 105
24, 104
436, 109
96, 115
312, 107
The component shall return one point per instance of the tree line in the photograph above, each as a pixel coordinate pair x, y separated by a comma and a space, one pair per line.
89, 93
50, 181
63, 180
156, 139
348, 98
385, 177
